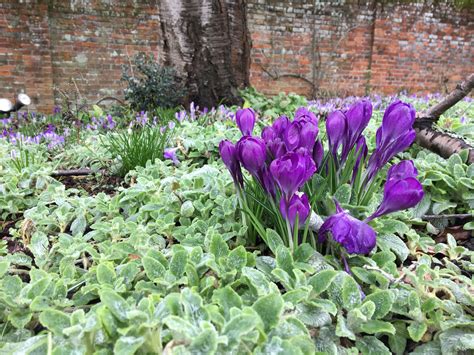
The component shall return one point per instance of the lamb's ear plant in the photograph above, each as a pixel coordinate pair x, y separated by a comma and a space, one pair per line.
135, 146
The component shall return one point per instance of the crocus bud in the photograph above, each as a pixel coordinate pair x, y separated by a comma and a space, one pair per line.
245, 119
280, 125
318, 153
251, 152
291, 171
355, 236
228, 154
402, 170
301, 134
336, 129
394, 135
303, 114
397, 119
399, 195
358, 117
297, 206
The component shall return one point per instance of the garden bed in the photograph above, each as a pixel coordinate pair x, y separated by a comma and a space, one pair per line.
167, 259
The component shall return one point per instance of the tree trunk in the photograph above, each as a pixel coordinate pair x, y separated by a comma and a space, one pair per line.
208, 43
440, 142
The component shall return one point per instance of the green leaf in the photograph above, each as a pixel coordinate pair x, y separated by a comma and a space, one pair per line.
115, 303
55, 320
178, 262
383, 301
284, 260
274, 240
370, 345
39, 246
423, 206
127, 345
238, 326
431, 348
395, 244
469, 226
269, 308
78, 226
376, 327
312, 316
416, 330
153, 268
439, 207
237, 258
4, 265
342, 330
257, 280
326, 305
343, 193
322, 280
105, 273
219, 247
227, 298
34, 345
350, 293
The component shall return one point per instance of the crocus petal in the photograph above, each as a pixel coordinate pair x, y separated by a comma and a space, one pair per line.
402, 170
251, 152
245, 119
297, 206
336, 128
356, 236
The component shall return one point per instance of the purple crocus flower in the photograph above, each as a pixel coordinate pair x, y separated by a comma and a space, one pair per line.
228, 154
399, 195
301, 134
336, 129
394, 136
170, 153
355, 236
303, 114
401, 191
397, 120
358, 117
291, 171
297, 206
251, 152
245, 119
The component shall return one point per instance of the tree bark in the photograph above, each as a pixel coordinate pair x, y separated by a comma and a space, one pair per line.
439, 142
208, 43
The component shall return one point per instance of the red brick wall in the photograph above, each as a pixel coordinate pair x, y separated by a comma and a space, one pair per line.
354, 47
334, 47
46, 44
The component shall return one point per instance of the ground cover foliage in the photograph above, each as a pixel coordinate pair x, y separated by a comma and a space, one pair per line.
162, 264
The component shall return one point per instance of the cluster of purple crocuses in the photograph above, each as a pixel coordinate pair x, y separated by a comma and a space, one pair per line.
289, 153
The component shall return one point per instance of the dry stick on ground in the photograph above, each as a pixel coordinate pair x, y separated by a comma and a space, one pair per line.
439, 142
73, 172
